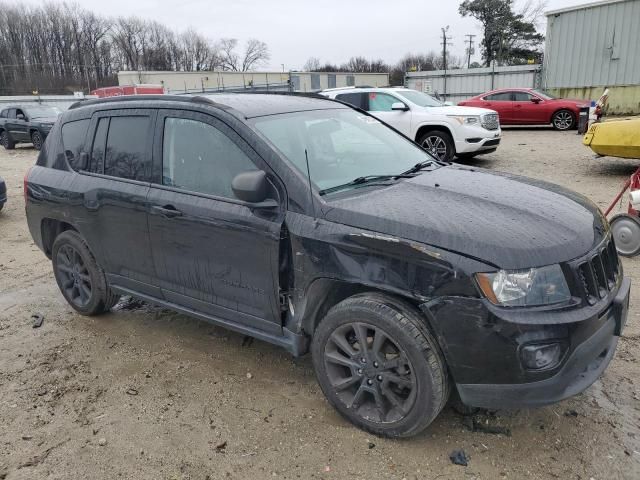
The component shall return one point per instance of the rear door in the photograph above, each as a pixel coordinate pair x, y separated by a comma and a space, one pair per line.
115, 197
213, 253
502, 103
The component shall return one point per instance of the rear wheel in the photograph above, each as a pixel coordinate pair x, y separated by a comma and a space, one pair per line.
81, 280
626, 234
563, 120
379, 366
36, 139
439, 144
6, 142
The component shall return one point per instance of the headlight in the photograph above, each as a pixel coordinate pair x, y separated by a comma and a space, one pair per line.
524, 288
466, 119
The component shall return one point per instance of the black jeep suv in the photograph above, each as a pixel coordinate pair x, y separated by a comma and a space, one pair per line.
26, 124
312, 225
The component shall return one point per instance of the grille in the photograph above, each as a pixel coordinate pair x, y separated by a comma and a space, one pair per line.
490, 121
599, 274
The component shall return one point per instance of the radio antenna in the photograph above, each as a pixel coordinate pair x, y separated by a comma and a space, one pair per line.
313, 206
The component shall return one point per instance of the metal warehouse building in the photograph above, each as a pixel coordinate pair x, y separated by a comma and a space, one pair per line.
593, 46
192, 82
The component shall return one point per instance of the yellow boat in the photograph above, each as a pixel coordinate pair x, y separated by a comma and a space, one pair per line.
615, 138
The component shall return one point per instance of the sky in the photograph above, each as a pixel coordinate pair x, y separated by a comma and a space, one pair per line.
332, 30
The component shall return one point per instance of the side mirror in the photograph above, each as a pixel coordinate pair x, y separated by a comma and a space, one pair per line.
399, 106
535, 100
20, 116
83, 160
251, 187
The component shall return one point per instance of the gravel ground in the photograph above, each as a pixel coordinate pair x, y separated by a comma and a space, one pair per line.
146, 393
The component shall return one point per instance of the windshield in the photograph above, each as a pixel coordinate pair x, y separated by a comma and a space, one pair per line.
419, 98
43, 112
342, 145
544, 94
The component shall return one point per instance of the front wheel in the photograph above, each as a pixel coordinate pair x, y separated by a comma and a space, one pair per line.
379, 366
81, 280
36, 139
563, 120
439, 144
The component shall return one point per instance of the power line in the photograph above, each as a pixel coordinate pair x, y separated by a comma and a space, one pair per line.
470, 50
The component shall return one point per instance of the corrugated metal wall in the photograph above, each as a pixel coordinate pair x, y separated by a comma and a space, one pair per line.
598, 45
458, 85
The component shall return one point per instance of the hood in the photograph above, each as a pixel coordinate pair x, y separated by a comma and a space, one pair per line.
508, 221
457, 110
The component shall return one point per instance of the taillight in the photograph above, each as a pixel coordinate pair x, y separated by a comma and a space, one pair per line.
25, 184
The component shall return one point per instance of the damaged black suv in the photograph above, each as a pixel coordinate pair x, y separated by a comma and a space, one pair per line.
312, 225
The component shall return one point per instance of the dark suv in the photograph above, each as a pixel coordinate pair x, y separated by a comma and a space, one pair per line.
26, 124
312, 225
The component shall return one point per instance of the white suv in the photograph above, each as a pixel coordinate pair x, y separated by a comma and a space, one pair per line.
445, 131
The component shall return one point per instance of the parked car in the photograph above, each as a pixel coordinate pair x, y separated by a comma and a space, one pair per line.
26, 124
445, 131
314, 226
527, 106
3, 193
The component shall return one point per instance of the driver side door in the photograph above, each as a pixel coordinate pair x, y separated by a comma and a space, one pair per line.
213, 253
17, 127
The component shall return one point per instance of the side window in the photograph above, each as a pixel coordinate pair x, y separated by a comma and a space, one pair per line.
356, 99
73, 134
4, 114
331, 80
499, 97
200, 158
126, 152
12, 113
351, 80
20, 112
521, 97
315, 81
381, 102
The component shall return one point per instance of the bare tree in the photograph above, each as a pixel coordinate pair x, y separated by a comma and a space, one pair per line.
312, 64
256, 53
229, 59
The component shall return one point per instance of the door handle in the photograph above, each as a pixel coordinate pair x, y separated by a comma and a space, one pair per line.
168, 211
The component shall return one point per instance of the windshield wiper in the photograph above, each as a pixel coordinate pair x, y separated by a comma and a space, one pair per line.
363, 180
419, 166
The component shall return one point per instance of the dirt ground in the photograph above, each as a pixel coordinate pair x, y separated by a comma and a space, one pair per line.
149, 394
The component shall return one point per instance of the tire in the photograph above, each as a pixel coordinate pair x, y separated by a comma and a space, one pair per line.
6, 142
625, 229
563, 120
1, 206
36, 139
396, 392
439, 144
80, 279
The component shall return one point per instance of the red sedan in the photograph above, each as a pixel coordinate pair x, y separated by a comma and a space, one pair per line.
527, 106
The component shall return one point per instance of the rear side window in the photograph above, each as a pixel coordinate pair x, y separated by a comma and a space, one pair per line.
356, 99
499, 97
12, 113
4, 114
126, 151
200, 158
73, 134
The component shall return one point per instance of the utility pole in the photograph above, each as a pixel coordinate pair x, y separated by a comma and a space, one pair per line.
470, 50
445, 43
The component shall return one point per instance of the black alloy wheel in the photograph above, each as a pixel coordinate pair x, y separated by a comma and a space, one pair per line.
74, 275
370, 373
36, 139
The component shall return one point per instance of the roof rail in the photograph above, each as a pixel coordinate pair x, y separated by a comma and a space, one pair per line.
161, 97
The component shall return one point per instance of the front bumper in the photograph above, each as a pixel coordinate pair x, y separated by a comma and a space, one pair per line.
477, 139
484, 361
